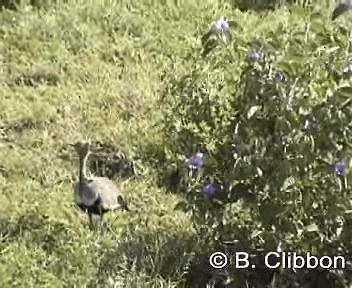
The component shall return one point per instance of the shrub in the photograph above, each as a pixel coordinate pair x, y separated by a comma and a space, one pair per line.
266, 4
272, 118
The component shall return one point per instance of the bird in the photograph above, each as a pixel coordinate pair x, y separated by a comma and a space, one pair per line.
341, 7
95, 195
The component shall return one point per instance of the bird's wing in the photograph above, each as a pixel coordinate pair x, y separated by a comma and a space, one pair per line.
108, 192
84, 194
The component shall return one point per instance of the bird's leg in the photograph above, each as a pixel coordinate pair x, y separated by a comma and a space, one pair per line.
101, 216
90, 218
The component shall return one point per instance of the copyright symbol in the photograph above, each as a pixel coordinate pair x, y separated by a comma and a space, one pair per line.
218, 260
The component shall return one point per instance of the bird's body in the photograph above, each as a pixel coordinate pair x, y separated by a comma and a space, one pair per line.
95, 195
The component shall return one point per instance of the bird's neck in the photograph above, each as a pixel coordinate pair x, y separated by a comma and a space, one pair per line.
82, 169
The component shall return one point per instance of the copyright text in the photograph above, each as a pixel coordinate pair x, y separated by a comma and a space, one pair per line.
273, 260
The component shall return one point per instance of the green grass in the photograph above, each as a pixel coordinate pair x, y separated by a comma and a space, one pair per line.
95, 69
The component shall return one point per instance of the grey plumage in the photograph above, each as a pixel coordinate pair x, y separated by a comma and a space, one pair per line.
95, 195
341, 7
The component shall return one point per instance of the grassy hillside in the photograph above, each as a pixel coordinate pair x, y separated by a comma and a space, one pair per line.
97, 69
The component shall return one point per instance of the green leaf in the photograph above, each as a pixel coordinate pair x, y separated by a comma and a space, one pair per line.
312, 228
285, 67
287, 183
344, 91
182, 205
252, 111
297, 10
330, 50
346, 103
316, 17
256, 233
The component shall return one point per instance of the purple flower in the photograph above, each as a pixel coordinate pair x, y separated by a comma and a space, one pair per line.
210, 188
253, 55
340, 169
280, 76
220, 26
195, 161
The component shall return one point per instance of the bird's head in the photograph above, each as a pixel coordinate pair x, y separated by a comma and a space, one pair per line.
82, 148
